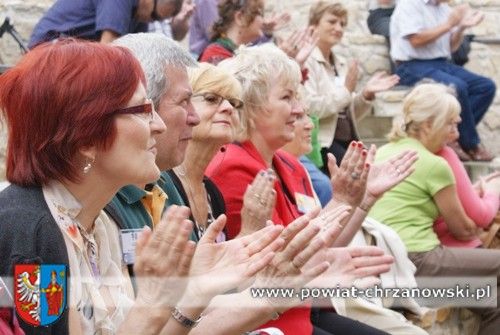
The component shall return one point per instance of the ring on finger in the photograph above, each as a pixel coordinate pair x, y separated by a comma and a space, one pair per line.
295, 266
256, 196
262, 202
355, 175
398, 170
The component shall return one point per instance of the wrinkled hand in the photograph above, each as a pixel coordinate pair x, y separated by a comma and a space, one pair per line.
306, 45
163, 259
287, 267
350, 266
349, 180
276, 21
351, 78
471, 18
379, 82
219, 267
385, 175
258, 203
332, 223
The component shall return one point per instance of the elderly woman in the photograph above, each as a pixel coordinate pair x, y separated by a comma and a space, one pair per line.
480, 201
330, 91
240, 22
270, 81
410, 208
80, 127
216, 98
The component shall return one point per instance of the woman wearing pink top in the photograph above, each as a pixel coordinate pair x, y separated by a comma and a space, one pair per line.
480, 201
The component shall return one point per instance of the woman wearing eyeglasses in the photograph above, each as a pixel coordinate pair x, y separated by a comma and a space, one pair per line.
216, 98
240, 22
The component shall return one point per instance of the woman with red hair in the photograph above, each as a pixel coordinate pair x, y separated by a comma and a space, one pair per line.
80, 128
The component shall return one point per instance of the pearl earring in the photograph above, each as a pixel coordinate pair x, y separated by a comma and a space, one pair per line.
87, 166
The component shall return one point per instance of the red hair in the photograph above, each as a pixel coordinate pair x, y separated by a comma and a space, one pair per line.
60, 98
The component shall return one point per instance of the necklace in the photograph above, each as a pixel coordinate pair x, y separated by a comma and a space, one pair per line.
200, 229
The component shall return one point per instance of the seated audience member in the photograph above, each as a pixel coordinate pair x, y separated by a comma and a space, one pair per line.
206, 14
239, 22
300, 146
330, 91
379, 18
480, 201
100, 20
95, 134
430, 191
175, 27
423, 36
270, 81
165, 66
216, 99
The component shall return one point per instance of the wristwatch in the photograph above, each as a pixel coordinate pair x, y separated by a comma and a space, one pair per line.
183, 320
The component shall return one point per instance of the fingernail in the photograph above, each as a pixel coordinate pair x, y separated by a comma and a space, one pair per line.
360, 145
367, 165
353, 143
262, 173
363, 153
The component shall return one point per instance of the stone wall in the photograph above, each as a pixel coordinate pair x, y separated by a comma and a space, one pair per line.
358, 43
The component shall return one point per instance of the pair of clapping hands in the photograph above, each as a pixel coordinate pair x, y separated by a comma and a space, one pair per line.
170, 268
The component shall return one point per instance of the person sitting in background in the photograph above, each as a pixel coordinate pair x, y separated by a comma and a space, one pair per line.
206, 14
299, 147
239, 22
480, 201
330, 92
101, 20
411, 207
423, 36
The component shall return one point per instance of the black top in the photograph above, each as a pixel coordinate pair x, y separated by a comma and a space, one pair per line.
30, 235
215, 198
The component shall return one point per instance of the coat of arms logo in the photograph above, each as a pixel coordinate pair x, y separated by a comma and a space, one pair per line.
40, 292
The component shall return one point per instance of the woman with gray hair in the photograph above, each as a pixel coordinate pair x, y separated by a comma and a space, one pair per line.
270, 81
430, 111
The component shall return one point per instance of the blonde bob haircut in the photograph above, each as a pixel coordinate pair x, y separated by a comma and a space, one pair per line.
257, 68
210, 78
319, 8
427, 102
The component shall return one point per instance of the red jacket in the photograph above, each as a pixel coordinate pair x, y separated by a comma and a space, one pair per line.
232, 171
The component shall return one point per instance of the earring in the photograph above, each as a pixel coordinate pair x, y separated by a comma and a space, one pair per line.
87, 166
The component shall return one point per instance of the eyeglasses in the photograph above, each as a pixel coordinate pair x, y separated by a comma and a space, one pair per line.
216, 100
145, 111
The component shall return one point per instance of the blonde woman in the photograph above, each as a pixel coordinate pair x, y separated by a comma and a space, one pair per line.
410, 208
331, 92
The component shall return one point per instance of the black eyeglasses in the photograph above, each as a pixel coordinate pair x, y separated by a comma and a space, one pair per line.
145, 111
216, 99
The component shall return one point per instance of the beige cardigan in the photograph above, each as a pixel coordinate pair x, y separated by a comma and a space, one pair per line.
325, 96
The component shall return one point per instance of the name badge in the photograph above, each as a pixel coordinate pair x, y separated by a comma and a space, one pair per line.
128, 239
305, 203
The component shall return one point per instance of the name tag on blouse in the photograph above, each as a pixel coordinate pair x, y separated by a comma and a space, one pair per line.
128, 239
305, 203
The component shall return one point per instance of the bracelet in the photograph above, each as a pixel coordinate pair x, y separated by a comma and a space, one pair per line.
184, 320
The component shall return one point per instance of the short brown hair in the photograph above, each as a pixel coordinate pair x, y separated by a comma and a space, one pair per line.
227, 10
321, 7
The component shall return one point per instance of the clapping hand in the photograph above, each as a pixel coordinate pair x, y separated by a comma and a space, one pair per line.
379, 82
219, 267
385, 175
349, 180
351, 78
471, 18
163, 259
275, 22
258, 203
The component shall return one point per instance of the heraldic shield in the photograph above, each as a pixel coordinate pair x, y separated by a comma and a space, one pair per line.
40, 292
